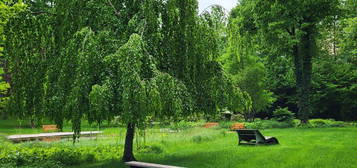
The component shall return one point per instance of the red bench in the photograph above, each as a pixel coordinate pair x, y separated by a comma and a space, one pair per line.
237, 126
210, 124
47, 128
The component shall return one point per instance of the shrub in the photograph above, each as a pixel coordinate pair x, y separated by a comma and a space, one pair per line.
90, 158
8, 165
67, 157
322, 123
283, 115
182, 125
28, 153
296, 122
238, 117
253, 125
266, 124
19, 158
318, 123
44, 164
36, 164
334, 123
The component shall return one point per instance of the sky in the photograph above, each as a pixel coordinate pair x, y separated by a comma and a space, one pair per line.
228, 4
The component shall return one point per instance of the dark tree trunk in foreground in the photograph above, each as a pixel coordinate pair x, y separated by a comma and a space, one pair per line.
303, 54
128, 147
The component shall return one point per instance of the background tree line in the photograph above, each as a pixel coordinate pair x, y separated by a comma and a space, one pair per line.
291, 55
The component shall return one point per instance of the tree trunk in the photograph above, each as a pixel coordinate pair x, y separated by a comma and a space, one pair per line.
3, 115
32, 122
303, 54
245, 117
308, 48
128, 147
59, 123
252, 115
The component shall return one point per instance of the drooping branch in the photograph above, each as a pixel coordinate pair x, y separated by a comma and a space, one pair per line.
42, 13
290, 32
117, 13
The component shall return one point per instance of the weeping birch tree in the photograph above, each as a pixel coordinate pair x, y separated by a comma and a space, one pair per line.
134, 59
142, 90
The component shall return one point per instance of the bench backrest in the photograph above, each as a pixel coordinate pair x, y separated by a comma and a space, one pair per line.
237, 126
210, 124
49, 127
251, 134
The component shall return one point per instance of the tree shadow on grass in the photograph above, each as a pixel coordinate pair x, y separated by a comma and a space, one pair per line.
201, 159
194, 160
209, 159
110, 164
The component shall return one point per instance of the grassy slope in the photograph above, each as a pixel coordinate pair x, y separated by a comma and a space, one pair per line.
319, 147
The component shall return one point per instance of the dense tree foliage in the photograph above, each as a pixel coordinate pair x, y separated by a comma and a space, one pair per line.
289, 29
8, 9
137, 60
334, 73
272, 47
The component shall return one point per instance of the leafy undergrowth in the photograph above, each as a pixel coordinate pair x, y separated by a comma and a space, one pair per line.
59, 153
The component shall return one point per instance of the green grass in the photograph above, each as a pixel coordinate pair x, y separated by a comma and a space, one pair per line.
299, 148
217, 148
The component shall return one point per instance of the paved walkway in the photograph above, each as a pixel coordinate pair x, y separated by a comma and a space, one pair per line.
49, 135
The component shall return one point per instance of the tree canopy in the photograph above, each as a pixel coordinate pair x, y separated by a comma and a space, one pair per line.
137, 60
285, 28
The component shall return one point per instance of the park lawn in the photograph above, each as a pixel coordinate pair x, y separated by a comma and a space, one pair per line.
216, 148
299, 148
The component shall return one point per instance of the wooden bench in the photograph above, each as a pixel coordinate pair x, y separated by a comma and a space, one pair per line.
47, 128
135, 164
254, 137
210, 124
237, 126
